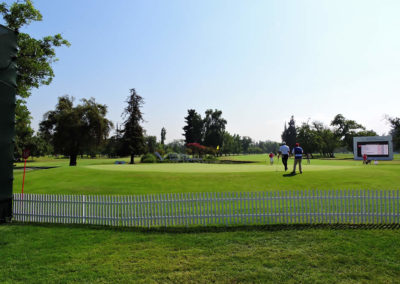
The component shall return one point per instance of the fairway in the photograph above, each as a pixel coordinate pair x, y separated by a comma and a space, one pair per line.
210, 168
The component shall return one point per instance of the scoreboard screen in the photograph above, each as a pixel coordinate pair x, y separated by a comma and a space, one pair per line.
375, 147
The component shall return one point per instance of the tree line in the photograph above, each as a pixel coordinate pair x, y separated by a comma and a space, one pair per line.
84, 129
210, 132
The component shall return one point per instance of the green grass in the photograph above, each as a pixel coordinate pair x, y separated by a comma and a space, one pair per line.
64, 254
101, 176
252, 254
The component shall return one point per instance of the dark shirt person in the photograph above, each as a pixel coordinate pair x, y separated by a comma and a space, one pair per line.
298, 156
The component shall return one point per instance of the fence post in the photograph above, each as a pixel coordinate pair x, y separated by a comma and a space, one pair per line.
84, 208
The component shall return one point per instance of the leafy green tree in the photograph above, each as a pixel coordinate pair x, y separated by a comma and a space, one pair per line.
75, 130
328, 140
34, 62
237, 144
176, 146
163, 134
346, 129
193, 130
23, 129
309, 139
133, 133
114, 145
395, 132
268, 146
39, 146
214, 128
245, 142
254, 150
151, 144
289, 133
228, 144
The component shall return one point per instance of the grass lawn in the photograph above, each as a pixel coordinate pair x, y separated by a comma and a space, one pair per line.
64, 254
101, 176
252, 254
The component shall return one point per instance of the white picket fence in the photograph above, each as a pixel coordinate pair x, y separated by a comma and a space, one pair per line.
187, 209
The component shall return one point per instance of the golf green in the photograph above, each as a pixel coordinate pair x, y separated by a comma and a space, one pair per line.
210, 168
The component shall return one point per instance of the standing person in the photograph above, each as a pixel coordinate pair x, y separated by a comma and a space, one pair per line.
365, 159
298, 156
271, 158
284, 150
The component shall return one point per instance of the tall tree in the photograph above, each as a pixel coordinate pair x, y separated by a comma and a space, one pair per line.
193, 130
163, 134
346, 129
75, 130
327, 139
176, 146
228, 143
151, 144
133, 136
237, 144
268, 146
246, 142
214, 128
289, 133
34, 62
23, 129
395, 132
284, 133
309, 139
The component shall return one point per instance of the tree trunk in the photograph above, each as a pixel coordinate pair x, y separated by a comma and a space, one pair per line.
132, 159
72, 160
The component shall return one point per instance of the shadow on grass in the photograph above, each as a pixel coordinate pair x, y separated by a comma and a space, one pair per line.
222, 229
34, 168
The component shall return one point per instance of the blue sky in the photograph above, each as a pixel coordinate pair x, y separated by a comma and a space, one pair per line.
258, 61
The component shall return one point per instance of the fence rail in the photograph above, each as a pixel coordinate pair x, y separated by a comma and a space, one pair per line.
186, 209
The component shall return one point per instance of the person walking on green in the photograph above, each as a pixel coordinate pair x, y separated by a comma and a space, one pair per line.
298, 156
284, 151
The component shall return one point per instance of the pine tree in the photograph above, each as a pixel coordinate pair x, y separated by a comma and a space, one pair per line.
289, 133
163, 134
284, 133
133, 135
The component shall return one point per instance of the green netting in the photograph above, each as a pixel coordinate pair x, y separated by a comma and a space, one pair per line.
8, 74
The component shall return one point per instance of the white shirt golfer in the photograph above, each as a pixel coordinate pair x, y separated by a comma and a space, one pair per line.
284, 149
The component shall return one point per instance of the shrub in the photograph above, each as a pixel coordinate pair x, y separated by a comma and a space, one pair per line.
210, 158
148, 158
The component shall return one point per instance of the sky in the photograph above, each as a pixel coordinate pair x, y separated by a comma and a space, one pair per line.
260, 62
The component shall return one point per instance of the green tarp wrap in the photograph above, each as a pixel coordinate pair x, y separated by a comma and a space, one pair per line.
8, 75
